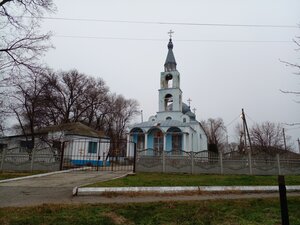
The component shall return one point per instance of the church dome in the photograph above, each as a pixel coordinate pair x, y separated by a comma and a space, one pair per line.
185, 110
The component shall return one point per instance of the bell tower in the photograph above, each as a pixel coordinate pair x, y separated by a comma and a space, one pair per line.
170, 94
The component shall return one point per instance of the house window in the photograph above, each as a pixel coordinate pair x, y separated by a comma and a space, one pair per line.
56, 144
92, 147
25, 146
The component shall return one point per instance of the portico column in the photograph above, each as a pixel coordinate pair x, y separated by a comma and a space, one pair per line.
165, 141
146, 141
183, 141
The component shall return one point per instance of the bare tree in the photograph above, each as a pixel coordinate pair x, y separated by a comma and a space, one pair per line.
297, 67
216, 134
21, 43
116, 121
26, 100
268, 135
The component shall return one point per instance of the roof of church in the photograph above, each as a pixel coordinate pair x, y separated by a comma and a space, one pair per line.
163, 123
170, 64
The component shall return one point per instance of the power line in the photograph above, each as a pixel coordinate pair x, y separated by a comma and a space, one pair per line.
168, 23
238, 117
180, 40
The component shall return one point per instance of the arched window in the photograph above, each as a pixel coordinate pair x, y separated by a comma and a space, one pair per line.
168, 102
169, 80
184, 120
168, 118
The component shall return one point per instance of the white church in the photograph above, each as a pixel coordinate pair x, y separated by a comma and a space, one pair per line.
174, 127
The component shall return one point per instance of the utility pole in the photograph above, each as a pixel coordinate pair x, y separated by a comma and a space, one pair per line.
298, 144
246, 130
284, 141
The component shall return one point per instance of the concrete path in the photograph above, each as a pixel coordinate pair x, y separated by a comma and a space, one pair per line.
55, 188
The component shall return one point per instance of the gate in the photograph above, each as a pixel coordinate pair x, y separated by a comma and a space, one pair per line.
102, 155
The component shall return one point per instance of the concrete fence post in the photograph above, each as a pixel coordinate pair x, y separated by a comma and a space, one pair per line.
163, 161
278, 164
192, 161
2, 159
32, 160
221, 162
250, 162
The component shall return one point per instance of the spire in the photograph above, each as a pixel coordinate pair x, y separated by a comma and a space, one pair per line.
170, 64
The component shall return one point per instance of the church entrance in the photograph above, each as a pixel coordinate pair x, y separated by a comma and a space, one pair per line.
158, 141
174, 140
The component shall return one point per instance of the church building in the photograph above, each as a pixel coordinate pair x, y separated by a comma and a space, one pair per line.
174, 127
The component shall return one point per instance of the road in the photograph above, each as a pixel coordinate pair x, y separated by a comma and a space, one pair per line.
56, 188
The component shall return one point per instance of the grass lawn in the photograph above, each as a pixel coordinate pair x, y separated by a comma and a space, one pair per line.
228, 212
8, 175
165, 179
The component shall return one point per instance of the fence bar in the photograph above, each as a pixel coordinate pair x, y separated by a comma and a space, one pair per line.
62, 156
134, 157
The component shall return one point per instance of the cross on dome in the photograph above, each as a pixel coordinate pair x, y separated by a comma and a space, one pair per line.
170, 33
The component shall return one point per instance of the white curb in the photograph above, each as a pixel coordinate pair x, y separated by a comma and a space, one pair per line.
102, 190
42, 174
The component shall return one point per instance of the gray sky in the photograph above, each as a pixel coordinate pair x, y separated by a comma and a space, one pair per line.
220, 70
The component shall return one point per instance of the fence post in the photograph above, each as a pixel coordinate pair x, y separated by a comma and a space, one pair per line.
163, 161
134, 157
278, 164
192, 159
32, 160
283, 201
250, 162
62, 156
2, 159
221, 161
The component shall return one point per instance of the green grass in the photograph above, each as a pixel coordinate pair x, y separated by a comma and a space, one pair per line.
164, 179
9, 175
225, 212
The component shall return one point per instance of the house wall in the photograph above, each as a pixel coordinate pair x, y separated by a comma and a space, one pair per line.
76, 150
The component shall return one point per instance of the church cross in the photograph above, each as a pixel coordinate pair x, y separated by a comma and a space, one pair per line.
170, 33
194, 109
189, 100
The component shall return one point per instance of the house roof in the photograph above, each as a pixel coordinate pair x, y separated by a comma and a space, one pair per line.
76, 128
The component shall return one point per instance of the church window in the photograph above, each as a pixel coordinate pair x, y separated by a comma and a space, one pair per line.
168, 118
184, 120
168, 102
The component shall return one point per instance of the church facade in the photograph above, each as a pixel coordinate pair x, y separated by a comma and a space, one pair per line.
174, 128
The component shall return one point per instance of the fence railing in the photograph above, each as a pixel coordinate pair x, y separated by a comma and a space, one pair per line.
206, 162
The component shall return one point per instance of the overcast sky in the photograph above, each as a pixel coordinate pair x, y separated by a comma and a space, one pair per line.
223, 68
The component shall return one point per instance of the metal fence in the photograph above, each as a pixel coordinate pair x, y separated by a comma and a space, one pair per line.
206, 162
